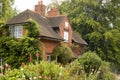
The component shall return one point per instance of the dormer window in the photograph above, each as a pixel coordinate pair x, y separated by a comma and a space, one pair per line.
66, 24
16, 31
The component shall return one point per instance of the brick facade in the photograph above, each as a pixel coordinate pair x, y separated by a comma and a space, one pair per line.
52, 34
49, 46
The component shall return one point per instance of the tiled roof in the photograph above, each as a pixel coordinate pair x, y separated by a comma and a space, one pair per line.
78, 39
44, 23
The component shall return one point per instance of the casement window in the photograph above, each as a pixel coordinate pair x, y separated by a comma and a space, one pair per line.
48, 57
16, 31
66, 25
66, 36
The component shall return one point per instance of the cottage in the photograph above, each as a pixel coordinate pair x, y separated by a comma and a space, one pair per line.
55, 28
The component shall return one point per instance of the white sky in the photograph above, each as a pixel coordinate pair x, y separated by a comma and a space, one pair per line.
22, 5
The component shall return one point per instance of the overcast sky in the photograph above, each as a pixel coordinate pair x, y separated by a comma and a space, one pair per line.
22, 5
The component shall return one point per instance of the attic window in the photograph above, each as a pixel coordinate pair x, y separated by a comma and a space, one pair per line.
66, 36
66, 24
16, 31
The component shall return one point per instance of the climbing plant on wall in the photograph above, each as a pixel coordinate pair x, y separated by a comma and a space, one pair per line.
15, 51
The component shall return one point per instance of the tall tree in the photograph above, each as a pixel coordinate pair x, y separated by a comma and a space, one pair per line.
7, 11
98, 21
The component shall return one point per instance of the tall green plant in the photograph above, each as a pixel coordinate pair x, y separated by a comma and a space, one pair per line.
62, 54
90, 62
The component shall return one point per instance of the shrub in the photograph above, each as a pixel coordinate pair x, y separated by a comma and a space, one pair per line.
105, 72
90, 62
94, 67
42, 71
62, 54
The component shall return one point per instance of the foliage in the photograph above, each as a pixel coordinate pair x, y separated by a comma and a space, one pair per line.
42, 71
33, 28
7, 10
105, 72
53, 71
15, 51
94, 67
62, 54
31, 42
98, 22
90, 62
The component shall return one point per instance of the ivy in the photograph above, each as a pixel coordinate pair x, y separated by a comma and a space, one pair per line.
15, 51
33, 28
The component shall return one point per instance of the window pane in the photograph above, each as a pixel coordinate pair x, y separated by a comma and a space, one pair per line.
66, 24
16, 31
66, 35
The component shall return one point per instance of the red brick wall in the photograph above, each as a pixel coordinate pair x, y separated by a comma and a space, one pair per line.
49, 46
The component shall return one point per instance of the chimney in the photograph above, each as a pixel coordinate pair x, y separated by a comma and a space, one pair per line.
53, 12
40, 8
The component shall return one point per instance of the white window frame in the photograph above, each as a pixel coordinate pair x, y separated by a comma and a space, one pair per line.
66, 24
66, 36
48, 57
16, 31
1, 64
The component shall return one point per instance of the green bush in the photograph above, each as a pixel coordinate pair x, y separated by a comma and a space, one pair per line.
94, 67
42, 71
105, 72
62, 54
90, 62
15, 51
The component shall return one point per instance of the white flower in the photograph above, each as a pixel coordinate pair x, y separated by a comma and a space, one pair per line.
19, 79
35, 78
21, 69
23, 76
30, 78
61, 67
40, 76
60, 74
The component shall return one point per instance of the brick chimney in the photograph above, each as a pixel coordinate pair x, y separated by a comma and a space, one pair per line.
53, 12
40, 8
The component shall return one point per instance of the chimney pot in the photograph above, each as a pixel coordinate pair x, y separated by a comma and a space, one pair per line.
40, 8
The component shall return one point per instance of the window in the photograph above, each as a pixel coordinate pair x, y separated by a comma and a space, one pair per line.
66, 36
66, 24
16, 31
1, 64
48, 57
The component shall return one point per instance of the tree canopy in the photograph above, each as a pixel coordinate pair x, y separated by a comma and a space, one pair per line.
6, 11
98, 21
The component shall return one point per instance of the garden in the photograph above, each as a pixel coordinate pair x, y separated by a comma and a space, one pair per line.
87, 67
